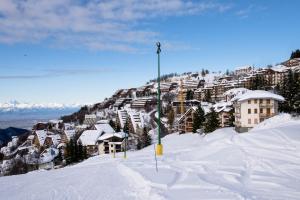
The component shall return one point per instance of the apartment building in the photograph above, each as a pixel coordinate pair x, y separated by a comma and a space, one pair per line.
254, 107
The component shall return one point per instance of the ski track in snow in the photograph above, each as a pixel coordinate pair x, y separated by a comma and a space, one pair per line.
259, 165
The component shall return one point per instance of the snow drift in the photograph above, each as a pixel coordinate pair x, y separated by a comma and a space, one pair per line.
261, 164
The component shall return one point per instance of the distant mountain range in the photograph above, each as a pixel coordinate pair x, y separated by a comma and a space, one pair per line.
25, 115
15, 106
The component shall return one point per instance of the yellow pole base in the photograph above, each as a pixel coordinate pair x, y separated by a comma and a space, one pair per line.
159, 150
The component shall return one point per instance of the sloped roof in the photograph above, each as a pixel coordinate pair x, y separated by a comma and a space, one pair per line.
89, 137
104, 128
110, 135
259, 94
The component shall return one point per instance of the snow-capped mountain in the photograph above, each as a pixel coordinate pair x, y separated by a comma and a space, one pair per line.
14, 105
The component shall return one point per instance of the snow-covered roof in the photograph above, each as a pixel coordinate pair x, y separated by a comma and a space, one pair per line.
89, 137
235, 91
48, 155
110, 135
259, 94
41, 135
104, 128
223, 106
55, 139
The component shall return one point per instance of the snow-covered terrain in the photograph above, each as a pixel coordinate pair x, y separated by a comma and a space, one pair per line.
261, 164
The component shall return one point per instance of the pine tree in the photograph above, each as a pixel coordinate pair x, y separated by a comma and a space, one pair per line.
126, 126
145, 139
112, 124
231, 118
207, 96
203, 73
212, 121
171, 117
295, 54
80, 151
189, 95
199, 119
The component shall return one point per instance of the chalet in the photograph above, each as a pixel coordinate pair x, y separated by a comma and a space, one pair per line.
185, 122
223, 109
110, 143
39, 138
103, 126
52, 140
89, 139
254, 107
67, 135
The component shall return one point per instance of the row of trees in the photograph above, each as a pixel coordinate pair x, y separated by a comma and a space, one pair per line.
75, 152
295, 54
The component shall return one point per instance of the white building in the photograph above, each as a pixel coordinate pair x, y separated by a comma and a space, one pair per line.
254, 107
111, 143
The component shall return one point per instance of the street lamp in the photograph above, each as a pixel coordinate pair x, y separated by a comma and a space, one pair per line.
159, 147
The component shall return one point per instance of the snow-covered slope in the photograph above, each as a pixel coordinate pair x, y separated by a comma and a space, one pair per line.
262, 164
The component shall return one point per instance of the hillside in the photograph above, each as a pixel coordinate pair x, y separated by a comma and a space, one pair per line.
7, 134
261, 164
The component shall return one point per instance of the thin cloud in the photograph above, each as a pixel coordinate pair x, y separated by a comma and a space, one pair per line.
52, 73
100, 25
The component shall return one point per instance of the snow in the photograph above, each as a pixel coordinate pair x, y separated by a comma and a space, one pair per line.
104, 128
15, 105
110, 135
89, 137
259, 94
48, 155
261, 164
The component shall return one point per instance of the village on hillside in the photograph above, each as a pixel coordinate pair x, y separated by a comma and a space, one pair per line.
198, 102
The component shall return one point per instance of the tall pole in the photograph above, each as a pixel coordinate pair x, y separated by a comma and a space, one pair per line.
159, 148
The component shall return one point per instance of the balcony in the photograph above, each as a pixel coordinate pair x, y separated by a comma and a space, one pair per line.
265, 105
266, 115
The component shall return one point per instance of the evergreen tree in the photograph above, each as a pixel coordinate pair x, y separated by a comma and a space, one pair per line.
80, 151
207, 96
227, 72
112, 124
203, 73
231, 118
126, 126
198, 119
189, 95
171, 117
295, 54
212, 121
118, 128
145, 139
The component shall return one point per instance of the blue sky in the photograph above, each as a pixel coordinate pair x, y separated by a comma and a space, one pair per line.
71, 51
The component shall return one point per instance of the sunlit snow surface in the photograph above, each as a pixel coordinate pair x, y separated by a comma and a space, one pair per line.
262, 164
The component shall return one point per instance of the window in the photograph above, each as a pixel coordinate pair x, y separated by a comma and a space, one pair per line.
249, 111
261, 110
268, 111
255, 100
261, 101
255, 110
249, 121
249, 101
255, 121
261, 119
268, 101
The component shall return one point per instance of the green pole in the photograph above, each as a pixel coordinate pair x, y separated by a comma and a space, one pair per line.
159, 149
158, 90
